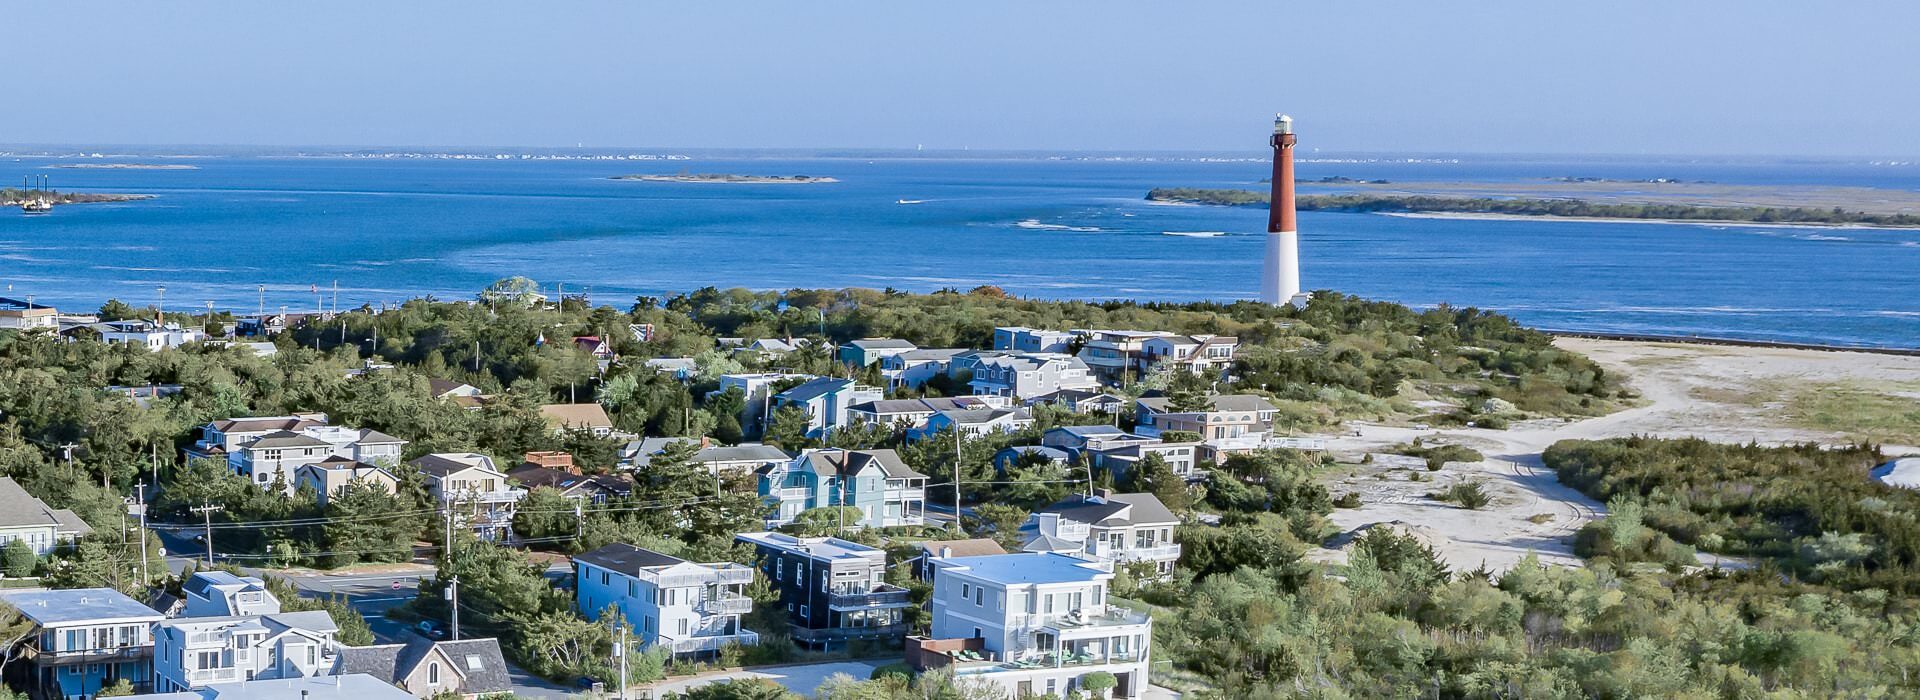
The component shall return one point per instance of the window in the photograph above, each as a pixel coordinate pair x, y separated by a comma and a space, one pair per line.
980, 597
310, 652
1049, 606
966, 591
806, 612
977, 634
433, 673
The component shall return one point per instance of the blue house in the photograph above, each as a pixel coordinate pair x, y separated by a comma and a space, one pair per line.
887, 492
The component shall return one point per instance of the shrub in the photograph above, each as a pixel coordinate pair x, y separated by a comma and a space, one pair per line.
1471, 495
1350, 499
18, 559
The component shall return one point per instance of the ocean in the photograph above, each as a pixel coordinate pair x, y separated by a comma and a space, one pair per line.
386, 229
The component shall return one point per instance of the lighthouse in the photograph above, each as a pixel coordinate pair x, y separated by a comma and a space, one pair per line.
1280, 278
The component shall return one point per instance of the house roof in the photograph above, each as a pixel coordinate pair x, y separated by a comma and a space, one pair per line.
880, 343
21, 509
532, 475
267, 423
1088, 430
823, 548
621, 556
442, 387
445, 463
477, 661
976, 547
978, 416
369, 436
356, 686
815, 388
1219, 402
281, 439
1052, 453
742, 453
1028, 568
55, 607
576, 415
1047, 543
1137, 507
835, 461
1074, 395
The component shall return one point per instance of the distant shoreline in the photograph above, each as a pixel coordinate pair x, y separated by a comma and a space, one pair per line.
119, 166
730, 179
1489, 205
1490, 216
16, 197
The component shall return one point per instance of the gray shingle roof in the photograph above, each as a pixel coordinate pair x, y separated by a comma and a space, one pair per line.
1220, 402
20, 509
282, 439
621, 556
815, 388
835, 461
878, 343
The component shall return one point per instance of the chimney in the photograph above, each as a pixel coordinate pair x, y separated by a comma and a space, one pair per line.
1280, 276
1103, 494
945, 551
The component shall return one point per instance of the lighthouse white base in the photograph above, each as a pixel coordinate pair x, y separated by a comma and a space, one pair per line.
1280, 276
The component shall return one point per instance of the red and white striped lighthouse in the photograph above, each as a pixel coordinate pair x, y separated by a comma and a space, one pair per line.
1280, 278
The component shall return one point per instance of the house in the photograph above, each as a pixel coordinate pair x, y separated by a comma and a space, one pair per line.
767, 349
642, 332
1032, 623
356, 686
257, 325
195, 652
757, 388
25, 315
668, 602
977, 422
1198, 354
1080, 401
1023, 339
866, 351
834, 591
1026, 375
447, 389
1115, 355
555, 470
330, 477
682, 368
599, 349
743, 458
1077, 440
425, 668
1018, 455
221, 437
43, 527
144, 396
468, 485
220, 594
279, 455
910, 414
887, 492
84, 639
826, 401
147, 334
1231, 424
1107, 527
591, 417
947, 549
1118, 458
913, 368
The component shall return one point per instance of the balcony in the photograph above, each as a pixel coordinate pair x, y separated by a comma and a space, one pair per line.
839, 634
881, 596
727, 604
85, 656
722, 574
510, 496
912, 494
206, 676
691, 645
1163, 552
1080, 624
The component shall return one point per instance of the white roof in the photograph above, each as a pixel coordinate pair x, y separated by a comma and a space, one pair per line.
1900, 473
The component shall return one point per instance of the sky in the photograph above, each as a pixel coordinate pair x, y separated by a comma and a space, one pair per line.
1722, 77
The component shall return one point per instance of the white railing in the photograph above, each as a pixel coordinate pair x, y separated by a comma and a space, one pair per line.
727, 604
689, 645
1155, 553
720, 574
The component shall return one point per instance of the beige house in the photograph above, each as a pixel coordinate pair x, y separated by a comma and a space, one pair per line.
330, 477
467, 485
468, 668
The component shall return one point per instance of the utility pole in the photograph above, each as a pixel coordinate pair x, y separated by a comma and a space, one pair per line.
206, 510
140, 508
956, 478
67, 449
620, 652
579, 522
263, 308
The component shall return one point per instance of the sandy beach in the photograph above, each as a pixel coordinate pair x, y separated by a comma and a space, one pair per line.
1719, 393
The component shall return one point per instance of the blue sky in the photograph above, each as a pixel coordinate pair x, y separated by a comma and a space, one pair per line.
1696, 77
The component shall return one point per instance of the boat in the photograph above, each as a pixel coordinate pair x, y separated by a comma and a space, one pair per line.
909, 201
36, 206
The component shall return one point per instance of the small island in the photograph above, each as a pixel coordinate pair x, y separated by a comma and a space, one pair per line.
731, 179
122, 166
1557, 208
14, 196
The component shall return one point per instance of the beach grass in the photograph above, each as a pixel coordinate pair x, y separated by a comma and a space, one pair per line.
1861, 412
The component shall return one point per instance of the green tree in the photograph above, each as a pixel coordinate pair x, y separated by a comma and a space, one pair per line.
788, 429
366, 523
545, 514
18, 559
1153, 475
726, 408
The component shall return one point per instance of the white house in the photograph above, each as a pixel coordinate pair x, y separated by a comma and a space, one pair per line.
978, 422
1043, 622
1023, 339
758, 388
194, 652
280, 454
826, 401
913, 368
911, 414
668, 602
1115, 354
1199, 354
468, 485
1107, 527
26, 315
147, 334
221, 594
220, 438
43, 527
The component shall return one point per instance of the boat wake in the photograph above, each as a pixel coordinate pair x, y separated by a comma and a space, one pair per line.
1195, 234
1035, 224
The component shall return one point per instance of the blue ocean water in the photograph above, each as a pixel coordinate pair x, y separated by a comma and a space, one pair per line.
392, 228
